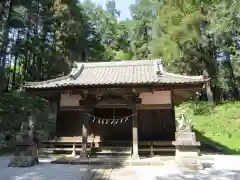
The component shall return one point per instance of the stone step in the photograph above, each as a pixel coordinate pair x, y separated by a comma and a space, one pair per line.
110, 161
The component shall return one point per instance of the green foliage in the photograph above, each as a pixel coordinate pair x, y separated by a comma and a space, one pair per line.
6, 150
14, 108
114, 35
202, 108
221, 126
41, 39
120, 55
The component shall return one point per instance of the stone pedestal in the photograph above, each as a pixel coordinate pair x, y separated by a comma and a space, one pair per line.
25, 156
26, 153
187, 153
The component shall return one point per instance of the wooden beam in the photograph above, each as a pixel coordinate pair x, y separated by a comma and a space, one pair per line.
93, 89
153, 106
178, 96
71, 108
180, 86
114, 106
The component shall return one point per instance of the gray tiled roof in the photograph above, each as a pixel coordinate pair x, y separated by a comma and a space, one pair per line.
117, 73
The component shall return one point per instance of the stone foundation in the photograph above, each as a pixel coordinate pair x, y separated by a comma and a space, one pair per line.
24, 156
188, 158
187, 153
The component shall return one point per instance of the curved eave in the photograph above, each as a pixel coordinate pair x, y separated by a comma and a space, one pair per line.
110, 74
197, 84
29, 84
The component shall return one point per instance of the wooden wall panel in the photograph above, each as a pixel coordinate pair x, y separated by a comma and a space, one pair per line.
156, 124
157, 97
153, 124
70, 100
70, 123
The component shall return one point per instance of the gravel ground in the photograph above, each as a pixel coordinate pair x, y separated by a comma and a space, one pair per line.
219, 167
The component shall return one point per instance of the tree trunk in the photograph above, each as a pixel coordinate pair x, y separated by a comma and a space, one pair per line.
15, 64
4, 48
208, 88
2, 9
232, 78
26, 54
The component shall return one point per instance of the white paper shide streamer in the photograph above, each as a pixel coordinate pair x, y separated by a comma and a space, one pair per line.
113, 121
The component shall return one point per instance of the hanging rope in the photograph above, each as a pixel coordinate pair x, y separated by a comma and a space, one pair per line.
112, 121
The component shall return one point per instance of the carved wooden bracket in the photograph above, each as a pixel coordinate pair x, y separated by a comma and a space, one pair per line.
110, 100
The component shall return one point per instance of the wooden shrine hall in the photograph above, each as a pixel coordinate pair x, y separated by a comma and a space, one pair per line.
121, 104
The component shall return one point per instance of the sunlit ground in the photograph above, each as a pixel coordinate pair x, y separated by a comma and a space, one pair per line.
217, 167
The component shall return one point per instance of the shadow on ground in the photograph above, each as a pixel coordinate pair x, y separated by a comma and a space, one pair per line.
206, 175
44, 171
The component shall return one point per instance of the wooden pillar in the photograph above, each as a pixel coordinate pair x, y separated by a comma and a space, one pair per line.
151, 150
134, 133
88, 107
58, 100
173, 131
74, 150
173, 111
55, 109
84, 153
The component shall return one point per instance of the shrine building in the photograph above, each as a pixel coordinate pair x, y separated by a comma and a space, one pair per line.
126, 104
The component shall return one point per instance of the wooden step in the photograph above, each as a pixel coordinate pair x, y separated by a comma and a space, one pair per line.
155, 143
108, 157
112, 148
63, 149
156, 149
111, 152
114, 144
52, 150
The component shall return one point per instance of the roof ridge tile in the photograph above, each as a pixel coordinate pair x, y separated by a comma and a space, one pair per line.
116, 63
117, 73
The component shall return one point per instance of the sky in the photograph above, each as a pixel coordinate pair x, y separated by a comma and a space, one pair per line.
122, 5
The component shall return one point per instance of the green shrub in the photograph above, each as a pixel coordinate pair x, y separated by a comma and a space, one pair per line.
202, 108
6, 149
219, 124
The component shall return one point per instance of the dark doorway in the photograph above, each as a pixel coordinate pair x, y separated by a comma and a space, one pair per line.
107, 132
70, 123
156, 125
